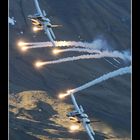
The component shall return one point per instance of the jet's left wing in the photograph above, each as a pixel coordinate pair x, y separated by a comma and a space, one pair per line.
75, 103
52, 33
89, 131
47, 31
38, 8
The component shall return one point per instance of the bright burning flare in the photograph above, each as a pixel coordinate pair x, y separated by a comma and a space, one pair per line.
63, 43
74, 127
38, 64
35, 29
55, 51
21, 43
63, 95
24, 49
69, 91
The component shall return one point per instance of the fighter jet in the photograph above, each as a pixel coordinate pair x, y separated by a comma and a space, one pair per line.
79, 116
41, 22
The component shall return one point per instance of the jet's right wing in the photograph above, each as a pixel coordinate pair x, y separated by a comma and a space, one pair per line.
38, 8
89, 131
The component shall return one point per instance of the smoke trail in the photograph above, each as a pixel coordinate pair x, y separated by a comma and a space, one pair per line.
107, 76
96, 44
116, 60
115, 54
110, 62
77, 50
88, 50
11, 20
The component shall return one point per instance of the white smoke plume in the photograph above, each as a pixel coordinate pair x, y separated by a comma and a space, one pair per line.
11, 20
107, 76
96, 44
114, 54
77, 50
116, 60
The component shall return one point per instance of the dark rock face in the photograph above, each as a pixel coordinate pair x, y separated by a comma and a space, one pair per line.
109, 101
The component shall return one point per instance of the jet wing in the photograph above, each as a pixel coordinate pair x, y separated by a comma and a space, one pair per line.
75, 103
38, 8
47, 31
86, 125
52, 33
89, 131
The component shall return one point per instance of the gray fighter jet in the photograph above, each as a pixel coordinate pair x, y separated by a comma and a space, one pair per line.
41, 22
79, 116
